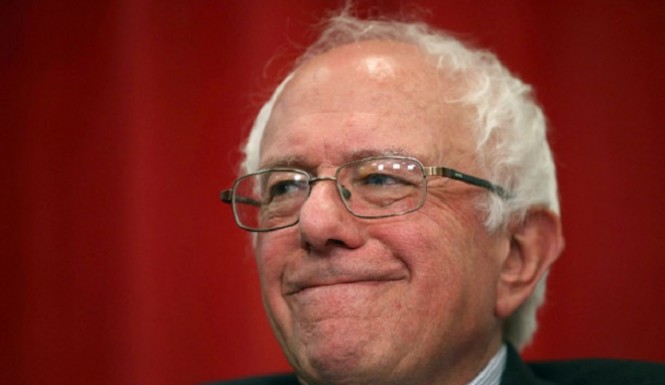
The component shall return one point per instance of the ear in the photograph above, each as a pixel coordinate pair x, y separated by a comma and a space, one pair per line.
535, 244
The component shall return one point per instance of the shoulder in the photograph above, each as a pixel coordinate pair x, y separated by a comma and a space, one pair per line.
581, 372
281, 379
599, 371
573, 372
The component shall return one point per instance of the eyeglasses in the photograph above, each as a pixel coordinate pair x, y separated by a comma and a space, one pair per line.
376, 187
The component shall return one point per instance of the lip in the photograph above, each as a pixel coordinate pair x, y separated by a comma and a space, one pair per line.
297, 287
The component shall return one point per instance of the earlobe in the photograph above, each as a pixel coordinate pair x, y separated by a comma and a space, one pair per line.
535, 244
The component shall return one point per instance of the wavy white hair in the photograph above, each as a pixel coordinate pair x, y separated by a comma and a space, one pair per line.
509, 128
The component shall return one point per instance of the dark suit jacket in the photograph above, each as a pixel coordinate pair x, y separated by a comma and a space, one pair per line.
517, 372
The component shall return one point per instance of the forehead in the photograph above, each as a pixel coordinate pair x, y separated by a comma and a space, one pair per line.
371, 96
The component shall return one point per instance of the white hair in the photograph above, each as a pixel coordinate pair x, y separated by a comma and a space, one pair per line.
509, 128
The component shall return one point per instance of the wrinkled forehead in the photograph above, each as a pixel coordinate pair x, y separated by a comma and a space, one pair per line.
383, 78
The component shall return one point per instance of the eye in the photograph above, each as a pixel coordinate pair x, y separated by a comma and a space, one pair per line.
283, 188
381, 180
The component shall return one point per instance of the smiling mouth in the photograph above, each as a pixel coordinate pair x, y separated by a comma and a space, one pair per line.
364, 282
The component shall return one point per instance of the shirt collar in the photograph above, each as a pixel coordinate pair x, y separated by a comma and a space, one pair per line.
491, 373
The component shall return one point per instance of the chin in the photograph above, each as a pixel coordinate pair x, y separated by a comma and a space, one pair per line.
339, 357
342, 370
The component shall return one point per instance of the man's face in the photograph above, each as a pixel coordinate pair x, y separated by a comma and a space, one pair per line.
379, 300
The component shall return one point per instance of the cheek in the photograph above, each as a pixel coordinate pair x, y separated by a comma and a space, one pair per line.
273, 249
439, 305
443, 251
427, 245
429, 252
273, 252
468, 260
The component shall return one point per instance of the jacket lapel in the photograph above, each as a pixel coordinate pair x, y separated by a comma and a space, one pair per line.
517, 372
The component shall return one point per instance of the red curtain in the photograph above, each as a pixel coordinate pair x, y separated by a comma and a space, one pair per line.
121, 122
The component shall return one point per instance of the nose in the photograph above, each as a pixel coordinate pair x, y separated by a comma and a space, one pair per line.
324, 220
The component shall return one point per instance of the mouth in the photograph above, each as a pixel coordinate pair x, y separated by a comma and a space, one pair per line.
305, 287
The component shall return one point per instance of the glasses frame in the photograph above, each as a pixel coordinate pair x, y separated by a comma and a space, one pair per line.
229, 196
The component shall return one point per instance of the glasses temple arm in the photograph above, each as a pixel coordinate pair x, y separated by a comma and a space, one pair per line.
226, 196
470, 179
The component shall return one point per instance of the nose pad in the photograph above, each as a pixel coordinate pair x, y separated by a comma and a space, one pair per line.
343, 191
346, 194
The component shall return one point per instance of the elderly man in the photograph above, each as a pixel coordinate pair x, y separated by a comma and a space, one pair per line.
404, 201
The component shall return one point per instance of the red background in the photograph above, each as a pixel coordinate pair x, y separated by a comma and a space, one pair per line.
121, 121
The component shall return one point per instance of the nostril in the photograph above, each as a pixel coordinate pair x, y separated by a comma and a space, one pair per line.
330, 243
335, 242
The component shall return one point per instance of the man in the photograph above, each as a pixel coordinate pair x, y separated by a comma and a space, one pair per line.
404, 200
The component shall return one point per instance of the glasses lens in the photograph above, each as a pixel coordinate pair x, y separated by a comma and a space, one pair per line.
269, 199
385, 186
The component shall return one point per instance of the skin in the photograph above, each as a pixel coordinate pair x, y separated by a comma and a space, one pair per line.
418, 298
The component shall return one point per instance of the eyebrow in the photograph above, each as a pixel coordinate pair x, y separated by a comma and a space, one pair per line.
291, 161
299, 162
368, 153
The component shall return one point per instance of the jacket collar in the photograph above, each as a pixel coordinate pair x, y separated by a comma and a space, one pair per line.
517, 372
